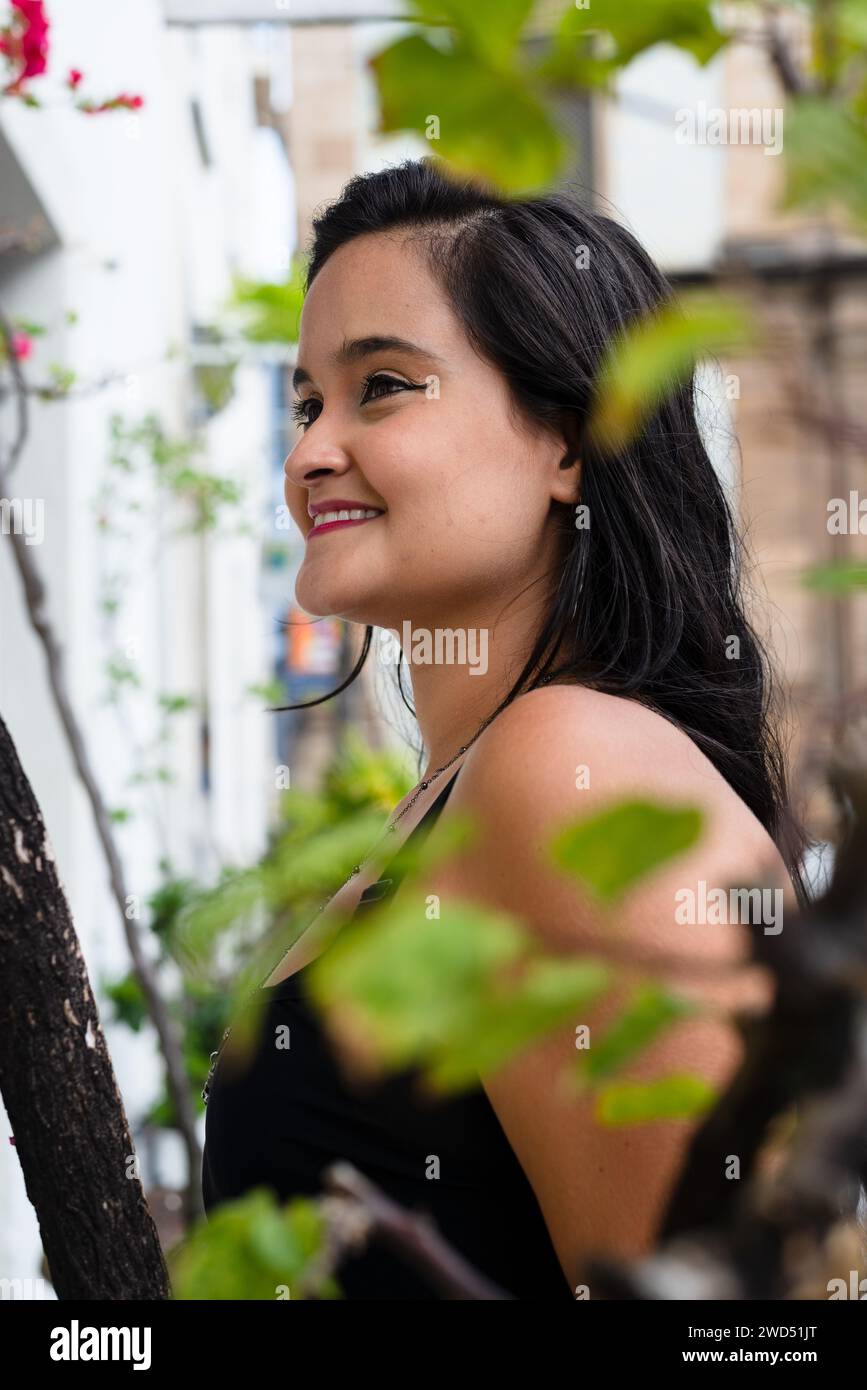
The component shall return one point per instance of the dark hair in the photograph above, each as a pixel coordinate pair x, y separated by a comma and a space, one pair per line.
650, 595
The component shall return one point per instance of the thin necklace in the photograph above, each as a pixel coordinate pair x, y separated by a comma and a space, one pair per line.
423, 786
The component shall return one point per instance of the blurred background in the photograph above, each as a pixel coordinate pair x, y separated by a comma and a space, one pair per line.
149, 269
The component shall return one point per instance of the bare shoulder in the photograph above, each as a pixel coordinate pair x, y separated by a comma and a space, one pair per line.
623, 738
559, 753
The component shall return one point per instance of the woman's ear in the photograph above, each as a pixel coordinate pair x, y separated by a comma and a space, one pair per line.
566, 483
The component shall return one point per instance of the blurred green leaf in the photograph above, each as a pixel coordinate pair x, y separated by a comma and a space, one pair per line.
837, 580
175, 704
649, 1012
128, 1001
250, 1249
361, 777
402, 990
679, 1096
491, 28
611, 851
491, 124
656, 354
270, 311
591, 43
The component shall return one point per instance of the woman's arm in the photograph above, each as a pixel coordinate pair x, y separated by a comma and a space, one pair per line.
604, 1189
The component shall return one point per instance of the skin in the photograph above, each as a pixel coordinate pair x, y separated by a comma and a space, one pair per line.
468, 540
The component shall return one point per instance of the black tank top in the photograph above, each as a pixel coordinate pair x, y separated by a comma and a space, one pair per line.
291, 1113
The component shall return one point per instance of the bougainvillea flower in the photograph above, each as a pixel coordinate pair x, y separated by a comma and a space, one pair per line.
22, 346
25, 42
123, 100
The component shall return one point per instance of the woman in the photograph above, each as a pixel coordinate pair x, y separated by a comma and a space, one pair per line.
449, 348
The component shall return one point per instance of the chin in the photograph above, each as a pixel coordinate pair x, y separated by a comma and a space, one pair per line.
324, 598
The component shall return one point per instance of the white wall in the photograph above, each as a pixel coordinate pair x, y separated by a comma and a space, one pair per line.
148, 241
670, 195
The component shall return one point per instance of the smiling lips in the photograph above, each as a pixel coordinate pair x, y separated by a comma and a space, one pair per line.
340, 517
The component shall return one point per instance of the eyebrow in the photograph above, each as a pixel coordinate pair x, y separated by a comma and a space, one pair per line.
359, 348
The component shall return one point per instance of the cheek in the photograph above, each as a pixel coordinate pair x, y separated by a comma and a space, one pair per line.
296, 500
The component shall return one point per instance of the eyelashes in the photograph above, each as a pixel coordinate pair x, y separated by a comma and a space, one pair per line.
371, 392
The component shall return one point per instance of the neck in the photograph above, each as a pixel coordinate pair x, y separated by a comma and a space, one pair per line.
461, 672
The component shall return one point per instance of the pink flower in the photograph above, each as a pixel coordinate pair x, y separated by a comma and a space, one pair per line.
22, 346
123, 99
25, 42
74, 77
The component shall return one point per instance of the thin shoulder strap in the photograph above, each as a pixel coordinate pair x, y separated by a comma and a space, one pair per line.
392, 875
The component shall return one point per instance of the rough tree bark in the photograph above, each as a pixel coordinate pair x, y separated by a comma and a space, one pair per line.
58, 1085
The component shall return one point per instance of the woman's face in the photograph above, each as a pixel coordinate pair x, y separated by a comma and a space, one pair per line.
423, 431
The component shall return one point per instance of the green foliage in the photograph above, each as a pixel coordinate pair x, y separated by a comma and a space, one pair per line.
175, 704
61, 381
120, 672
269, 692
656, 354
216, 382
127, 1000
838, 43
270, 313
591, 44
470, 68
440, 994
836, 580
491, 124
826, 158
363, 777
678, 1096
609, 852
489, 28
205, 495
649, 1012
254, 1249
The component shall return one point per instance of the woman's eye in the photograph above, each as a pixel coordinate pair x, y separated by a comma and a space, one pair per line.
376, 387
300, 411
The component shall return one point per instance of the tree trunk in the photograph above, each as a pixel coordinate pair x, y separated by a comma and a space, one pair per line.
56, 1078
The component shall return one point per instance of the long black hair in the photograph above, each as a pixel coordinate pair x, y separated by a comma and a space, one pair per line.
648, 601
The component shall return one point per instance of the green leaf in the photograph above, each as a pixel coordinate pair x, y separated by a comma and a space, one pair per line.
836, 580
402, 990
611, 851
175, 704
657, 353
270, 311
591, 43
678, 1096
270, 692
130, 1006
250, 1249
650, 1011
491, 28
491, 124
33, 330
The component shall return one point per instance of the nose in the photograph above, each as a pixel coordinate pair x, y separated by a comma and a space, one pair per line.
312, 459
